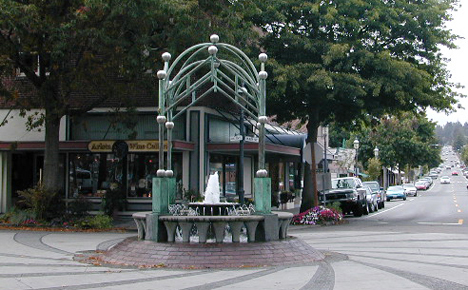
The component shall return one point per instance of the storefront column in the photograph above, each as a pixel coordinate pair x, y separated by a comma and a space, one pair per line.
5, 181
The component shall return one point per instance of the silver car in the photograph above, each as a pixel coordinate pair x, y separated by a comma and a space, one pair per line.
410, 189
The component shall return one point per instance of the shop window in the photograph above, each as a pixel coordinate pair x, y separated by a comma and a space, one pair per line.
141, 170
91, 175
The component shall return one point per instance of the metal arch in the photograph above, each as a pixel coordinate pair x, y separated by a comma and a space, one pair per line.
234, 77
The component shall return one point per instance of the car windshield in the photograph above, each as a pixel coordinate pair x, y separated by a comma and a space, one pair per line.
394, 188
408, 185
343, 183
373, 186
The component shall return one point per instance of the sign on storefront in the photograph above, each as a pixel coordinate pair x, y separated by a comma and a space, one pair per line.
105, 146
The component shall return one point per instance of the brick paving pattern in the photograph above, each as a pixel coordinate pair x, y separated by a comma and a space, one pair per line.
132, 252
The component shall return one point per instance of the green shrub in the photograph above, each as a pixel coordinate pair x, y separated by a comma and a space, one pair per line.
336, 206
100, 221
79, 207
18, 217
113, 200
43, 203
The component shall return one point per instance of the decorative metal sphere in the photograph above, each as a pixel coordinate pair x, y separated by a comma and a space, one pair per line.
212, 49
263, 57
161, 74
166, 56
262, 119
263, 75
214, 38
169, 173
161, 119
169, 125
161, 173
356, 143
262, 173
243, 90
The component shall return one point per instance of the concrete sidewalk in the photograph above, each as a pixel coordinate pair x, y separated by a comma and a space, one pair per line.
354, 259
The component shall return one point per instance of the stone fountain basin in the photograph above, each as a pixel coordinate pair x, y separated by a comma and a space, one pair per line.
207, 209
218, 223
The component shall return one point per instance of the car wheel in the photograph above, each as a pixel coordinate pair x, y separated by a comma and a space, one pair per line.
416, 194
376, 207
404, 198
388, 199
357, 212
366, 208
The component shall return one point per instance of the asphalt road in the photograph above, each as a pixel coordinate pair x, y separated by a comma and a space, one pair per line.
420, 243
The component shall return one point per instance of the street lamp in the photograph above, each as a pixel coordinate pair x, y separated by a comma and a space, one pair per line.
356, 147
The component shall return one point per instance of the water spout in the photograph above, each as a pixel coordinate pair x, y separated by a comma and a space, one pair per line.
212, 193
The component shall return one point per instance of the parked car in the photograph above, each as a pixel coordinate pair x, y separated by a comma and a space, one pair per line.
421, 185
445, 180
372, 200
381, 197
349, 192
396, 191
410, 189
429, 181
433, 175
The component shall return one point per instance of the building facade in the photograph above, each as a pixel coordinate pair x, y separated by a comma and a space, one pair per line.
99, 154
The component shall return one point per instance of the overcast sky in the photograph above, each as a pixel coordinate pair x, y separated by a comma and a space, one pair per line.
458, 65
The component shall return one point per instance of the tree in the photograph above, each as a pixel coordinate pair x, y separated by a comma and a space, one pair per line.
97, 48
406, 141
67, 49
348, 60
374, 168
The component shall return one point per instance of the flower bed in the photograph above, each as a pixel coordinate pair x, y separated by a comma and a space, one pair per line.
318, 215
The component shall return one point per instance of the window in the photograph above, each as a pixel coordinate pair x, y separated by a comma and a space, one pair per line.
91, 175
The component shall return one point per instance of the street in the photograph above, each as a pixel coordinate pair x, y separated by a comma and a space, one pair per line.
420, 243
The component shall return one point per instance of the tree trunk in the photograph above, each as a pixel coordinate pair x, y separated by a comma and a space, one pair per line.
51, 153
310, 195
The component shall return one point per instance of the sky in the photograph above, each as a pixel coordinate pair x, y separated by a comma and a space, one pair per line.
458, 66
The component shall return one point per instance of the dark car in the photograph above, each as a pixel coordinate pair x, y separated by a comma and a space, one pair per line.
375, 187
349, 192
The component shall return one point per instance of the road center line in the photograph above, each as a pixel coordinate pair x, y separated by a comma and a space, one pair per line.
384, 211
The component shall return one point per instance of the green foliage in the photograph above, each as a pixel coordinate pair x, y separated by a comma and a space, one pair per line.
113, 200
459, 142
191, 195
45, 204
79, 207
100, 221
18, 216
464, 154
374, 168
335, 206
345, 61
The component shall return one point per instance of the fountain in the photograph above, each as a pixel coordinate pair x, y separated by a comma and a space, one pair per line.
212, 193
211, 204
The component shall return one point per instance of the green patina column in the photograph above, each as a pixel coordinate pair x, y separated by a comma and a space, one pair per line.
262, 195
162, 195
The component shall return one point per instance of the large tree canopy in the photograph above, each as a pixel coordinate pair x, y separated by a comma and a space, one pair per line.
74, 55
343, 60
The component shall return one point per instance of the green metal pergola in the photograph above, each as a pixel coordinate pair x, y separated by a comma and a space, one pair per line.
217, 68
232, 75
